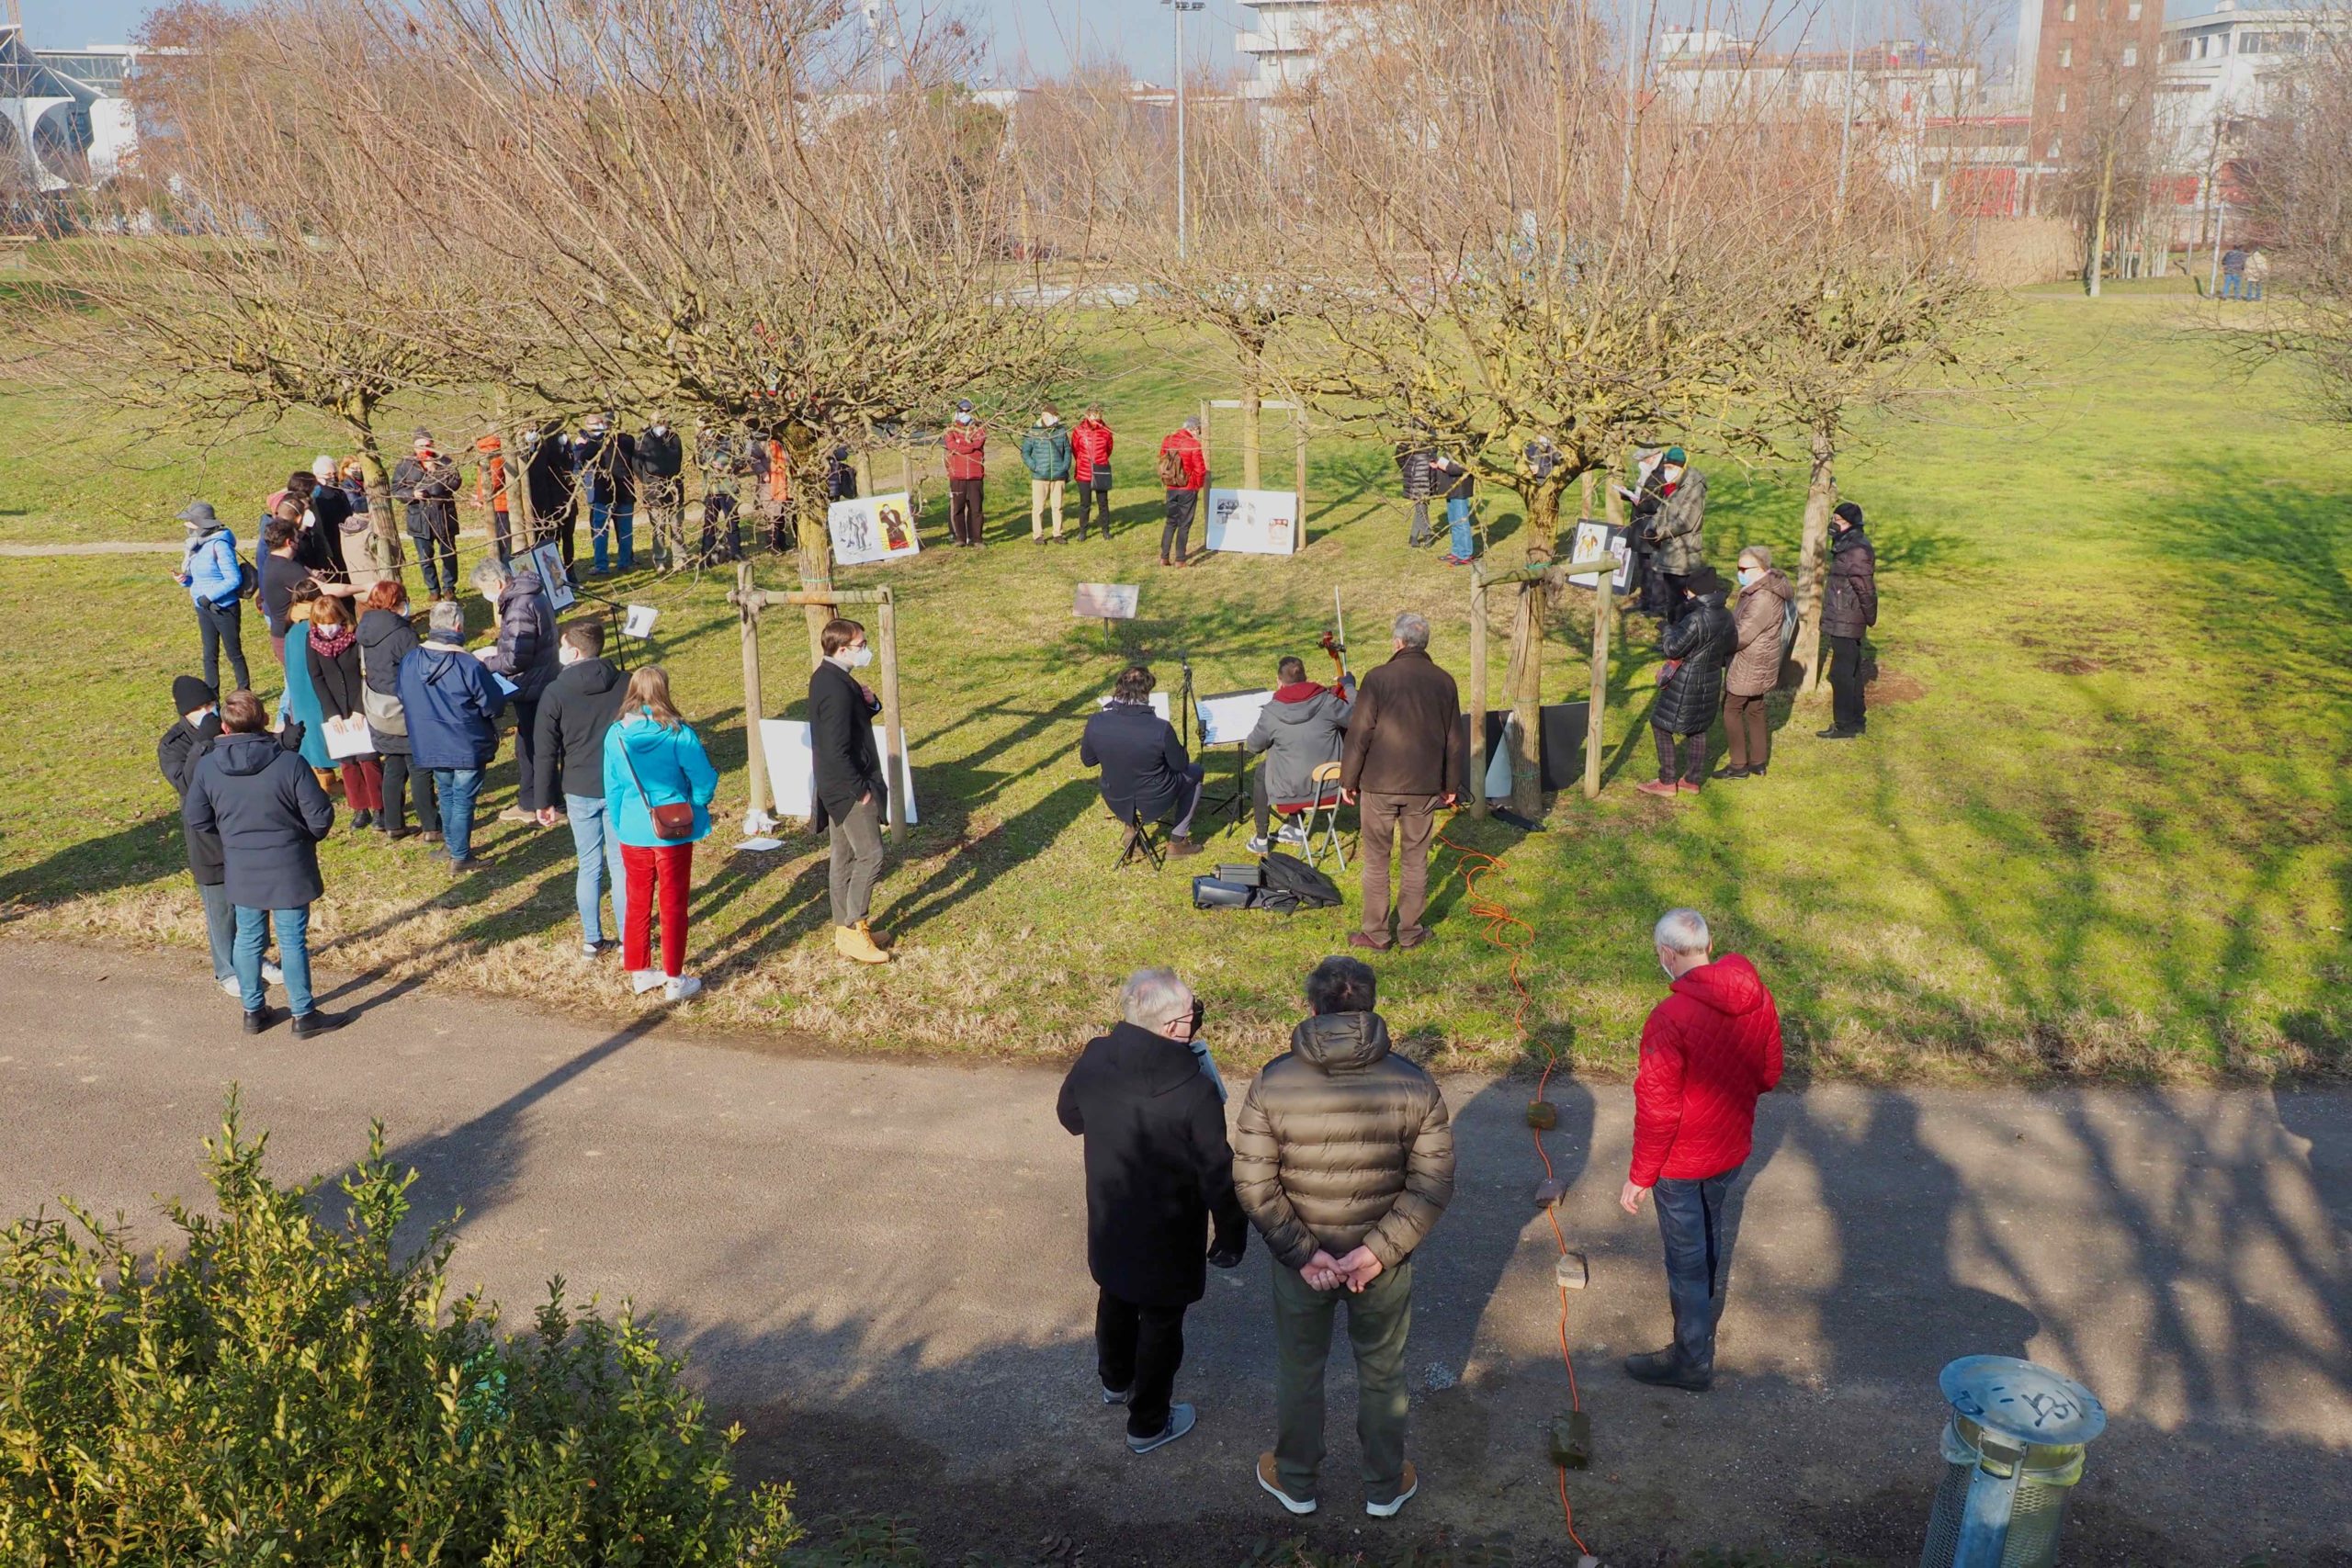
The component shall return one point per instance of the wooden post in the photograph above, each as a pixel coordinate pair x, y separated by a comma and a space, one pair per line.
1298, 424
1604, 602
894, 739
1477, 698
1206, 459
755, 757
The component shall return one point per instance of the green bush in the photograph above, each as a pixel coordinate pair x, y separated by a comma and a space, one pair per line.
282, 1388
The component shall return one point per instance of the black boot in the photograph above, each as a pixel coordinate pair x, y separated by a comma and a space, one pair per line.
1666, 1369
318, 1021
259, 1019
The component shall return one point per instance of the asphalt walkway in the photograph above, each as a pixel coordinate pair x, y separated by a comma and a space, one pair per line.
879, 1268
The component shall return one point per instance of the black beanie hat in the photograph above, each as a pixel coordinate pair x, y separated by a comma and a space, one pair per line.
190, 694
1849, 512
1703, 582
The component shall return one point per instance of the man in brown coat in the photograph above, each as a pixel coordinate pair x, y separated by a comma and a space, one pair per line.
1407, 756
1344, 1159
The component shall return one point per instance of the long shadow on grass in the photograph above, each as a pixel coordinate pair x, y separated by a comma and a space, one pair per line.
129, 857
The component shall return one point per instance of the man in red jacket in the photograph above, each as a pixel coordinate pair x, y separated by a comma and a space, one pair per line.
1183, 469
966, 442
1708, 1051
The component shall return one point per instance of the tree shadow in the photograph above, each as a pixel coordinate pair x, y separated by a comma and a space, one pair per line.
145, 852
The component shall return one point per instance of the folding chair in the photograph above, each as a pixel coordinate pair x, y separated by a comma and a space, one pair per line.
1326, 805
1142, 838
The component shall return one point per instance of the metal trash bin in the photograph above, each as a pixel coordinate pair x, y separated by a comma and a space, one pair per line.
2013, 1451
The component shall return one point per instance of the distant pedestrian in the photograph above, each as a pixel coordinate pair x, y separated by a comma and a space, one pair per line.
553, 488
1090, 450
368, 557
604, 459
660, 490
524, 656
428, 483
387, 636
1680, 532
658, 787
491, 493
2257, 273
331, 522
1848, 609
1159, 1197
568, 753
1708, 1051
1183, 469
1044, 451
1453, 477
340, 688
966, 442
1344, 1159
1698, 643
214, 579
851, 792
1413, 459
2232, 271
279, 575
720, 527
1762, 628
1648, 499
452, 705
269, 815
1405, 756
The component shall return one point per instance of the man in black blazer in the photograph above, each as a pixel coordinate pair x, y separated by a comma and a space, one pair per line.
1159, 1197
851, 794
1146, 775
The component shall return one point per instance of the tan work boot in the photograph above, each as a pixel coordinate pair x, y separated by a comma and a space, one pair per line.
853, 943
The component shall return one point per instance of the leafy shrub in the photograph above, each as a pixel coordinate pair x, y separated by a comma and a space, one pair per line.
280, 1389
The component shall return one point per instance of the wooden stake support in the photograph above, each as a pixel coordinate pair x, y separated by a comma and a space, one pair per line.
748, 603
1531, 578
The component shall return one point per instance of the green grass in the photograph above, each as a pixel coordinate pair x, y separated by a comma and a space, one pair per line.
2098, 829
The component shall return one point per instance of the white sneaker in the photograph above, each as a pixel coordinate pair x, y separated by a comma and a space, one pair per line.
682, 988
644, 980
234, 987
271, 975
1292, 833
1256, 846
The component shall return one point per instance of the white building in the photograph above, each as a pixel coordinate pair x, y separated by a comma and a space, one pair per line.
2219, 71
64, 122
1286, 44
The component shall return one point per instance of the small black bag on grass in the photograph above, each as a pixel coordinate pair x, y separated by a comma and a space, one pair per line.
1210, 893
1290, 884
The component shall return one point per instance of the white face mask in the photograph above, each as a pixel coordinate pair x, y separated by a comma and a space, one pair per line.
659, 428
962, 418
1049, 419
857, 658
1673, 475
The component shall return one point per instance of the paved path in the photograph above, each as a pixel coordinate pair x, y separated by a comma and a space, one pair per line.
879, 1268
98, 547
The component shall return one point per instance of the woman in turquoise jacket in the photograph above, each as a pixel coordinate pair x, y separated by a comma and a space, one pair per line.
652, 759
301, 697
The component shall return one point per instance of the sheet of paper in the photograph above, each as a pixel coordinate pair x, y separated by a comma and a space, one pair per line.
761, 846
640, 620
1226, 720
347, 737
504, 686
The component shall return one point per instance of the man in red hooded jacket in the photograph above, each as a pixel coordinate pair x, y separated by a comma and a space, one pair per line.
1708, 1051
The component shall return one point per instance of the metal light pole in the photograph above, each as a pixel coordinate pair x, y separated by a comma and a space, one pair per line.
1846, 133
1176, 10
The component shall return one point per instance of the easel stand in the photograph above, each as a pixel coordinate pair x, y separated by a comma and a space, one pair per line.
1535, 578
749, 602
615, 623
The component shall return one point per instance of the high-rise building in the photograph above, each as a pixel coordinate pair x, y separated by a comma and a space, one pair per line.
1286, 45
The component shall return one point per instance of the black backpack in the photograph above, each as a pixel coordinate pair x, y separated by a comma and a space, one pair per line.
1290, 884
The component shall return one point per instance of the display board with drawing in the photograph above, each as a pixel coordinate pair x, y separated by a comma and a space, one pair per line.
870, 528
1254, 522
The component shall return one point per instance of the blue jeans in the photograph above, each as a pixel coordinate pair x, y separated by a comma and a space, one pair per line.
220, 928
1698, 1223
607, 515
598, 847
1457, 518
293, 955
2233, 285
458, 787
2253, 290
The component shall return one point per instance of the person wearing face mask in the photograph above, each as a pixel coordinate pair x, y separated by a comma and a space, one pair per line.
1709, 1050
1762, 627
1090, 451
660, 459
1045, 450
852, 792
966, 442
524, 654
1159, 1197
1679, 532
1847, 610
568, 751
548, 475
428, 483
1698, 645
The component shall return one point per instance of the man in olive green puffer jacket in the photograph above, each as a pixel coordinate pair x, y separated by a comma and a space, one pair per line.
1344, 1159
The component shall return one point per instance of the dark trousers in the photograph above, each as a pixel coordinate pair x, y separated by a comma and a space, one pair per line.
1178, 529
1845, 683
1748, 729
563, 527
1422, 534
418, 785
1095, 501
855, 862
1698, 1221
527, 781
438, 559
222, 626
1411, 822
718, 512
502, 534
965, 519
1694, 748
1380, 1320
1138, 1348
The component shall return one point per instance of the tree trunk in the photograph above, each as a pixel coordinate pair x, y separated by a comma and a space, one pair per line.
808, 502
1525, 680
360, 420
1254, 377
1820, 496
2099, 230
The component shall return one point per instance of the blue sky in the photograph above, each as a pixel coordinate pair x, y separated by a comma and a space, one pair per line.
1037, 35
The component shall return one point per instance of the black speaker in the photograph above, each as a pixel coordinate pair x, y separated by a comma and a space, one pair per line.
1559, 746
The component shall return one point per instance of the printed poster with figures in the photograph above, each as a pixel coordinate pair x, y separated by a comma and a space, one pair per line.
1254, 522
872, 528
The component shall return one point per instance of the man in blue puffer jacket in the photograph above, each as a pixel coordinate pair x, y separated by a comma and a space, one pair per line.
452, 704
210, 572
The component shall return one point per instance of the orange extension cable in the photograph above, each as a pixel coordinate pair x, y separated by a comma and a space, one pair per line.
1517, 938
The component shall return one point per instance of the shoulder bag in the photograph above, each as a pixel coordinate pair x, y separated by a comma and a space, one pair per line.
671, 823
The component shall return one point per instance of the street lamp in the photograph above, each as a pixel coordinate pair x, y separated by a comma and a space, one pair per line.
1176, 10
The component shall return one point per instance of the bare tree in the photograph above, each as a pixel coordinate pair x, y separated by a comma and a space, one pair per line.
2106, 131
2301, 178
